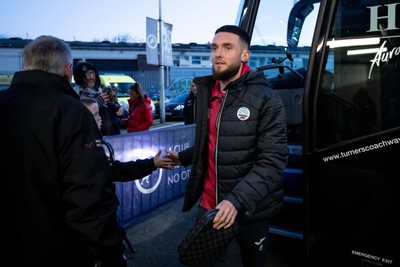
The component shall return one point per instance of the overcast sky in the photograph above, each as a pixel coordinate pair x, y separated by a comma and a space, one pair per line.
99, 20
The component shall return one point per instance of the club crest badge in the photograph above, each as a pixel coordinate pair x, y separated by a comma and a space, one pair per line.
243, 113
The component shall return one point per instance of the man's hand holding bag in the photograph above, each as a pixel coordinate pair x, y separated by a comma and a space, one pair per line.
203, 244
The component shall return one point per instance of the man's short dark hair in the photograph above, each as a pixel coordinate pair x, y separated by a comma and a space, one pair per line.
235, 30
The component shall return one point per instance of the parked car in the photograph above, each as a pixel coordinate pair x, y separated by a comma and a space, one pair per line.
5, 80
155, 98
174, 108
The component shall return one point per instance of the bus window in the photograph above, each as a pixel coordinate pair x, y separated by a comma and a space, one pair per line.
272, 22
360, 95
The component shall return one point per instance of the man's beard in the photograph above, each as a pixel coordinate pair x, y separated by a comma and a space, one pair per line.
226, 74
90, 83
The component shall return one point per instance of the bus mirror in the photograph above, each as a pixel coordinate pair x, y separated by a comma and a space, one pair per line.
297, 16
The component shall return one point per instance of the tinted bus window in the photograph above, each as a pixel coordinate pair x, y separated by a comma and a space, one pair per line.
360, 95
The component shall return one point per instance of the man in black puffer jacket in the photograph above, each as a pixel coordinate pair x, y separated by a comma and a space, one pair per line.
240, 149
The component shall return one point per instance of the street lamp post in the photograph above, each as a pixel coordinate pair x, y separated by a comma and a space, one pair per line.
161, 60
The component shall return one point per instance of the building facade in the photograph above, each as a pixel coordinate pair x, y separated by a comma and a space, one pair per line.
189, 60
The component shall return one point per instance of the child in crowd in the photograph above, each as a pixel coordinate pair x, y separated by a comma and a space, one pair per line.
131, 170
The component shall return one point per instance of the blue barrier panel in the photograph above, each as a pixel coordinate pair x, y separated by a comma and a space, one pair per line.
140, 196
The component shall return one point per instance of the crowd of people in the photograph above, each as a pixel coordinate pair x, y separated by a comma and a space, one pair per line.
138, 117
87, 78
59, 198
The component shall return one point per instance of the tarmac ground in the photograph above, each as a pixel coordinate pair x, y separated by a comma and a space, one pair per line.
156, 235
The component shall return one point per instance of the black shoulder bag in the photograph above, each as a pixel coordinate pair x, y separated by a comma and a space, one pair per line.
203, 244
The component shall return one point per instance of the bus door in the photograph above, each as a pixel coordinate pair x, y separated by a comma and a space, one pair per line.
280, 47
351, 147
350, 122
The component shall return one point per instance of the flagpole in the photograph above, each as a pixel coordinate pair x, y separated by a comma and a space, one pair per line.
161, 60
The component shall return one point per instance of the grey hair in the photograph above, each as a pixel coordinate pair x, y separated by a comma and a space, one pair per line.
47, 53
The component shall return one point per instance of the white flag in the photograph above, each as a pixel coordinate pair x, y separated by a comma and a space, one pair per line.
167, 45
151, 42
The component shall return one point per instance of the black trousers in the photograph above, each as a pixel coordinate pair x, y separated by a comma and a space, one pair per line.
252, 243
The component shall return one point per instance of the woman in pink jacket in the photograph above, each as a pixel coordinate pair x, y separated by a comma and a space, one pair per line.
140, 117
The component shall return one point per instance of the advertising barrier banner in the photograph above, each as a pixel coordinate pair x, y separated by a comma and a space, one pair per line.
140, 196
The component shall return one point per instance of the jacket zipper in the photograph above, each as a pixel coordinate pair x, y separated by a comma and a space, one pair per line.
217, 125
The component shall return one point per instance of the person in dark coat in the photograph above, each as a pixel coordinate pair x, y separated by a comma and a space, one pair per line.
57, 197
240, 148
190, 105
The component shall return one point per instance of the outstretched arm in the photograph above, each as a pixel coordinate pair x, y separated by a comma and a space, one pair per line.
133, 170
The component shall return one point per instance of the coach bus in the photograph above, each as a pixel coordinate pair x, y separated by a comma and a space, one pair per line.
344, 108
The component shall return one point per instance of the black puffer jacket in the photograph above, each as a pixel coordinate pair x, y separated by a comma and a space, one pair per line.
57, 199
251, 149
